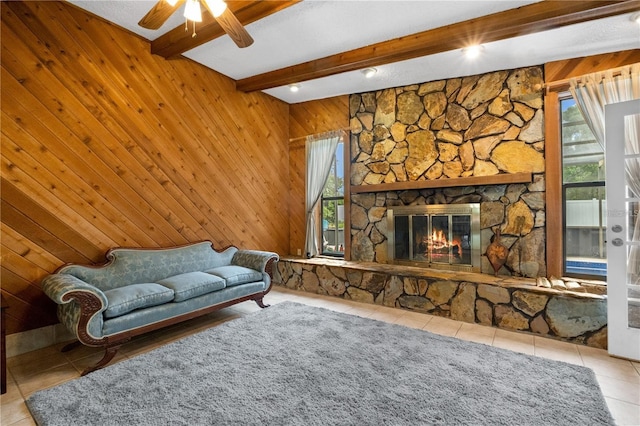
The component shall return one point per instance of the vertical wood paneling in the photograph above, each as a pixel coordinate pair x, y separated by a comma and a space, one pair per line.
553, 188
104, 144
309, 118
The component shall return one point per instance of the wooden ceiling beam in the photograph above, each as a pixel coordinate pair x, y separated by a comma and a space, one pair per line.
537, 17
177, 41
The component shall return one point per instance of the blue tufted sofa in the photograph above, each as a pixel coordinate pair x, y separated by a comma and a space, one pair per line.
140, 290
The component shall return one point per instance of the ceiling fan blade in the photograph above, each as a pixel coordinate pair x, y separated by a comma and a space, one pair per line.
159, 14
232, 26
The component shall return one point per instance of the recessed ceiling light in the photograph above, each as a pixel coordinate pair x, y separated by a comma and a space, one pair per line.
472, 52
294, 87
636, 18
369, 72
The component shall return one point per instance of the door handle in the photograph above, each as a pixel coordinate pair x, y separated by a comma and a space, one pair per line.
617, 242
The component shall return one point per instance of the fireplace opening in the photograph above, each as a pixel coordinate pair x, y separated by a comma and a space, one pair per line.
445, 236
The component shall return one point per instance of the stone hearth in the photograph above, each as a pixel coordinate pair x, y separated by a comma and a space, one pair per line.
503, 302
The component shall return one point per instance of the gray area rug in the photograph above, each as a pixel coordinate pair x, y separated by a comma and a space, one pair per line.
292, 364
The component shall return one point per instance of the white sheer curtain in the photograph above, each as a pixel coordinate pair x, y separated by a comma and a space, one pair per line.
591, 94
321, 150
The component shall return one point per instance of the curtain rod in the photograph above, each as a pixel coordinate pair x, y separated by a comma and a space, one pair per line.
344, 129
562, 85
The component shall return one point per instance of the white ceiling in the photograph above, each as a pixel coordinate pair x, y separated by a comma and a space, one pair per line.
314, 29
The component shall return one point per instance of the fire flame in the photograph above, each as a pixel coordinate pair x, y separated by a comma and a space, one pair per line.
439, 241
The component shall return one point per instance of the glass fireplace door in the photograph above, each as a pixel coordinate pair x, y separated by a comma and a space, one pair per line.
439, 236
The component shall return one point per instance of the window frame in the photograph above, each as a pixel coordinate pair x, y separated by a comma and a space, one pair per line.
564, 187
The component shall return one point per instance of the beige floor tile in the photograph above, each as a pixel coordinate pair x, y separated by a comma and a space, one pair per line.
624, 413
13, 412
413, 319
619, 389
13, 391
557, 350
476, 333
25, 365
478, 329
616, 370
559, 355
590, 354
517, 342
416, 315
546, 343
385, 314
443, 326
410, 322
24, 422
514, 336
343, 307
318, 302
364, 311
46, 379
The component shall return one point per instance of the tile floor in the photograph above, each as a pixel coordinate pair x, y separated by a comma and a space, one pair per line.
619, 379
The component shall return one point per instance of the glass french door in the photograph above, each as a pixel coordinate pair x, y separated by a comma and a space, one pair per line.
622, 127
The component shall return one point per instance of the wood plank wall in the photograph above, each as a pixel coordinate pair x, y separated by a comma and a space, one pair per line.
308, 118
105, 145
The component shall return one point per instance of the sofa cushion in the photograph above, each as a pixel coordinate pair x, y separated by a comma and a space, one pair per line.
192, 284
236, 275
135, 296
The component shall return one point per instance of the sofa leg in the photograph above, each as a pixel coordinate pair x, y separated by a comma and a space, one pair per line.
261, 303
109, 353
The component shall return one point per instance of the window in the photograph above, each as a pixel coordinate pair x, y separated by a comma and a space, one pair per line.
332, 200
583, 194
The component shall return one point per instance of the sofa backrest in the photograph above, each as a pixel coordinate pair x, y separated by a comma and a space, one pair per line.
135, 266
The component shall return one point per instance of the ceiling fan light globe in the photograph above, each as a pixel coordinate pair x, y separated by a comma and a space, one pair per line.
172, 2
217, 7
192, 11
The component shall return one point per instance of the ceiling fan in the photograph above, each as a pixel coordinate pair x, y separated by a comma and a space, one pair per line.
163, 9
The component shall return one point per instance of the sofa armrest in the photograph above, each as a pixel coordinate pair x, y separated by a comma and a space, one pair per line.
57, 287
84, 316
259, 260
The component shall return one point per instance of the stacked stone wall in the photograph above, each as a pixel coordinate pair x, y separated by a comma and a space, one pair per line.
473, 126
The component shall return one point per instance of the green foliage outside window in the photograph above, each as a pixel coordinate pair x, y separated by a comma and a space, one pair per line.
333, 188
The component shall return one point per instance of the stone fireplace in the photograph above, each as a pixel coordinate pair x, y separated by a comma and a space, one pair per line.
437, 236
476, 140
453, 142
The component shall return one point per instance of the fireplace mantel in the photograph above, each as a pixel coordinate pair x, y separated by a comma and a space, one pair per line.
499, 179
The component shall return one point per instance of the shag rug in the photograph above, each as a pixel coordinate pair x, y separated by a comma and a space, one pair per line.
293, 364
